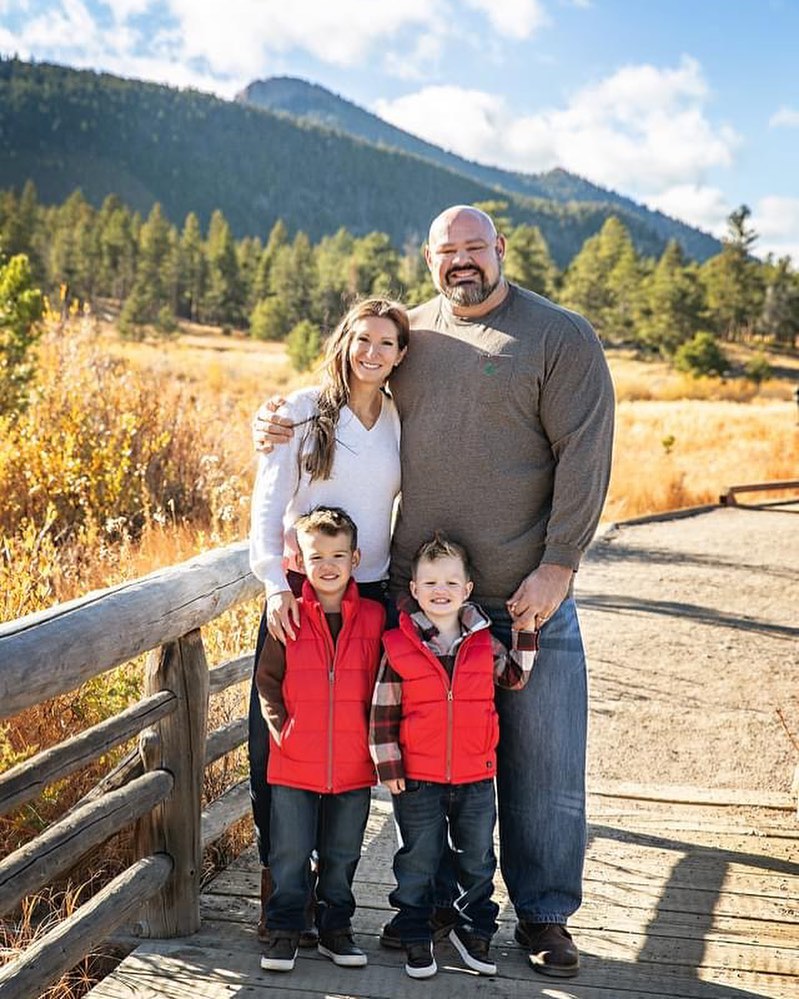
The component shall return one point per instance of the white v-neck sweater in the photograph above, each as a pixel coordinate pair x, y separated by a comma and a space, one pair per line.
365, 482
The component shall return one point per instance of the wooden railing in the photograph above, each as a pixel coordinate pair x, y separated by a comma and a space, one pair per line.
158, 788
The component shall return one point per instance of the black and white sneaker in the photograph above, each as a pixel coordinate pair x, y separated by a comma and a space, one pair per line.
280, 952
419, 960
474, 950
341, 950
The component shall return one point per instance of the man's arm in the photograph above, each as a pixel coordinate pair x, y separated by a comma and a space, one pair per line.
384, 727
269, 427
576, 409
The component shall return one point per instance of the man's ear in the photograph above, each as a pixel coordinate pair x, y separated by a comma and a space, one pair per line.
428, 256
501, 246
356, 557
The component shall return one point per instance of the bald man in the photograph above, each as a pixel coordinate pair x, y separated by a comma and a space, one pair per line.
507, 411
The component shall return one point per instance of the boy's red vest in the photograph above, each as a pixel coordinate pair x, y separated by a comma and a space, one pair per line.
328, 692
449, 730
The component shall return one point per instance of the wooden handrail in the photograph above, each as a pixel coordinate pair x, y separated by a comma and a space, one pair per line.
57, 650
158, 786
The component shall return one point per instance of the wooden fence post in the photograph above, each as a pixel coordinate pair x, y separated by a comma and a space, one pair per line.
176, 744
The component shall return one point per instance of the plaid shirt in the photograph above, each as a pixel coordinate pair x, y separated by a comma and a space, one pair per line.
511, 670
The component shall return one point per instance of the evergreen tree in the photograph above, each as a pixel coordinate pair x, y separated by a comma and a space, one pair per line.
373, 266
278, 237
193, 269
117, 248
733, 285
332, 255
152, 290
74, 250
224, 297
673, 303
527, 260
21, 307
780, 316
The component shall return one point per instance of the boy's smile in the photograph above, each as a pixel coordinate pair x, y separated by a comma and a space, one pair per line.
328, 561
441, 588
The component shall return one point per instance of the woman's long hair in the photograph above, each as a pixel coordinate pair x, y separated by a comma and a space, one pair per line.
319, 444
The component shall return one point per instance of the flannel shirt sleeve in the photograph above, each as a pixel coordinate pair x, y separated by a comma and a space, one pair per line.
512, 669
384, 723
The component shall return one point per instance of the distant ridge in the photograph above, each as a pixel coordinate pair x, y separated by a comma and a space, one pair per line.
313, 104
65, 129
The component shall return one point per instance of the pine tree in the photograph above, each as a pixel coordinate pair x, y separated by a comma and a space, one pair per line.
673, 303
527, 260
732, 279
21, 307
224, 296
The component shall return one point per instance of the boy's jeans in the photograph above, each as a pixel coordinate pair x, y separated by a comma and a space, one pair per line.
541, 773
422, 812
334, 824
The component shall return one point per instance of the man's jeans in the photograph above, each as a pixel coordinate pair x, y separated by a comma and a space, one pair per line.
423, 812
334, 824
541, 773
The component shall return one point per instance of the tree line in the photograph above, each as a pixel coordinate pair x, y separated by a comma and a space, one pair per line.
160, 273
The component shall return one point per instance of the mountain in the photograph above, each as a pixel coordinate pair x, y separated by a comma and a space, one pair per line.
313, 105
65, 128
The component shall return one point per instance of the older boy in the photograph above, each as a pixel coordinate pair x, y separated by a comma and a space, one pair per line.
433, 736
315, 693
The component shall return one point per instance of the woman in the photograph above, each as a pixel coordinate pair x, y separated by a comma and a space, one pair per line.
345, 453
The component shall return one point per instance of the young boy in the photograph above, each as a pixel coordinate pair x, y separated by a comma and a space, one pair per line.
433, 735
315, 693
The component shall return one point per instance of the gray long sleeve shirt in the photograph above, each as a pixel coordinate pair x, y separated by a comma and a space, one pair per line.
507, 430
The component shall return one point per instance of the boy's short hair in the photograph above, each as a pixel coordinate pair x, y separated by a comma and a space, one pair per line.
329, 520
441, 546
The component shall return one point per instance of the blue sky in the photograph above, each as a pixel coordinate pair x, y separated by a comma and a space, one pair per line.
691, 106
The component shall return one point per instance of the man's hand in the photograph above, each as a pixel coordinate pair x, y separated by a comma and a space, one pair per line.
268, 428
539, 595
282, 615
396, 786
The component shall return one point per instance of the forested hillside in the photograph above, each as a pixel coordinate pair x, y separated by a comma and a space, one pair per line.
310, 103
191, 152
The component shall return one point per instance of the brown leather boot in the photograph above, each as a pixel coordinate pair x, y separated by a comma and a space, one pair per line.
266, 894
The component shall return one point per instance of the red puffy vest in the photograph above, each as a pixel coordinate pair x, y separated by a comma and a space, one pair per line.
450, 729
328, 692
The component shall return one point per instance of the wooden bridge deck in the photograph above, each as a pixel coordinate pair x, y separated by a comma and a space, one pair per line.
682, 900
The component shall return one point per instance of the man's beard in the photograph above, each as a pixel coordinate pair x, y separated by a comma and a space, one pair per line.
470, 292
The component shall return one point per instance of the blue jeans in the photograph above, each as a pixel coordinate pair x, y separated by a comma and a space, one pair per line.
541, 773
424, 812
258, 733
334, 824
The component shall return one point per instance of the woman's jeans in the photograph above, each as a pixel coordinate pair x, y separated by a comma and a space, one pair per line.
332, 823
424, 812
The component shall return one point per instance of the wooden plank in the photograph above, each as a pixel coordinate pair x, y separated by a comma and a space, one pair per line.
178, 745
61, 949
228, 808
57, 650
225, 739
29, 779
64, 843
233, 671
202, 969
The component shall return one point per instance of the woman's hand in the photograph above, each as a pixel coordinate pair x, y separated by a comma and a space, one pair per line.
282, 615
268, 428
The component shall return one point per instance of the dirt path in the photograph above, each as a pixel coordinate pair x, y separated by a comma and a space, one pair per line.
692, 632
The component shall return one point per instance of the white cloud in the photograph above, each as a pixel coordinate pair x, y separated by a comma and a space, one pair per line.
786, 117
418, 63
642, 130
513, 18
776, 219
343, 32
702, 206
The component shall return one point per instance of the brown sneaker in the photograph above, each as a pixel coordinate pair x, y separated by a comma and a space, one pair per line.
266, 894
550, 948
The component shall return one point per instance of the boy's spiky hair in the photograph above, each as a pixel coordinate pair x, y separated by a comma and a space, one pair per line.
441, 546
329, 520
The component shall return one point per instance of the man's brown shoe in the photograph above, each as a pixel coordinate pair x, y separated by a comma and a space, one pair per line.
549, 947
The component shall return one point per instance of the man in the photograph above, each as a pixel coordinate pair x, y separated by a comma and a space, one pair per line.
507, 423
